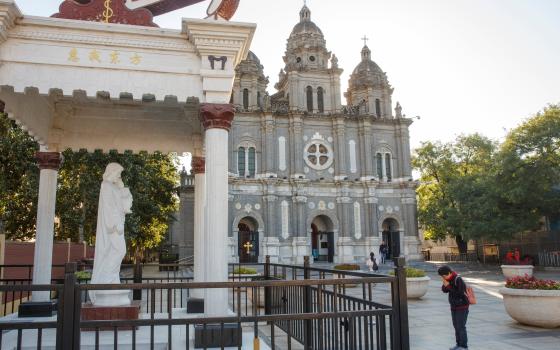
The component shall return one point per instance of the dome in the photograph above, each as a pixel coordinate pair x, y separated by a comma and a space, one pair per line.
305, 25
367, 72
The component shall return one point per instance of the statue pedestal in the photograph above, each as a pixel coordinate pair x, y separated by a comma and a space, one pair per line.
92, 312
112, 297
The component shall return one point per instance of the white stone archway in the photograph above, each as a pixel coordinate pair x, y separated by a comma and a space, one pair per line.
258, 223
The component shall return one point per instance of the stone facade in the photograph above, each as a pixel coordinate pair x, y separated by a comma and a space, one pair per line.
308, 175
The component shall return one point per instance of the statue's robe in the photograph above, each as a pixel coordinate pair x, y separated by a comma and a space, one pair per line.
110, 244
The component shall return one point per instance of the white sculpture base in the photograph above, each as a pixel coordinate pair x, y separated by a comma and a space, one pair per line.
112, 298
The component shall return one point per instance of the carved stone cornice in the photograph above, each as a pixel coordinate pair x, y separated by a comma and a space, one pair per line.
9, 12
216, 116
198, 165
299, 199
344, 200
270, 198
49, 160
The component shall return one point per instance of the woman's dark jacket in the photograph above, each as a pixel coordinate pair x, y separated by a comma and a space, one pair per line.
456, 290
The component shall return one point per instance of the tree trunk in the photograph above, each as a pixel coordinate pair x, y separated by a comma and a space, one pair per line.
462, 244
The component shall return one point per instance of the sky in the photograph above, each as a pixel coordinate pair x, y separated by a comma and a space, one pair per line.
463, 66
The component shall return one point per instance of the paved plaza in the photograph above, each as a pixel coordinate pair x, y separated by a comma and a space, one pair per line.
489, 326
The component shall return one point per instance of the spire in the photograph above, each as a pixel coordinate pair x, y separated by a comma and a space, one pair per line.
366, 53
305, 13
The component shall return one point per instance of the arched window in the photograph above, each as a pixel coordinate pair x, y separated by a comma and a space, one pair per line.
245, 99
388, 166
309, 99
320, 100
379, 166
377, 107
241, 161
251, 162
384, 165
247, 160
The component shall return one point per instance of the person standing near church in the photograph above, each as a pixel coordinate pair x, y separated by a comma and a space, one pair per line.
455, 287
383, 251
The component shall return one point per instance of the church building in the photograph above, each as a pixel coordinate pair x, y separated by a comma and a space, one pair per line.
309, 175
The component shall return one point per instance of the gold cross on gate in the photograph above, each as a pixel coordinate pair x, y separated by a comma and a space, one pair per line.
248, 245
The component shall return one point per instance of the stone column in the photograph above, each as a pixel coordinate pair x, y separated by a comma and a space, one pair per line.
297, 127
340, 148
198, 169
49, 163
216, 119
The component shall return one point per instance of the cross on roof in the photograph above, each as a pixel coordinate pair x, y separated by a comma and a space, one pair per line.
365, 39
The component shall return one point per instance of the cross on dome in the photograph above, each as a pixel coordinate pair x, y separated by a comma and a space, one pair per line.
365, 39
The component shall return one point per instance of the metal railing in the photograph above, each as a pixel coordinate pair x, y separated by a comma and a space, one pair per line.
549, 259
290, 306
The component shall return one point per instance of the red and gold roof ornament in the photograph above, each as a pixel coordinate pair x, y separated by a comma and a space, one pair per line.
137, 12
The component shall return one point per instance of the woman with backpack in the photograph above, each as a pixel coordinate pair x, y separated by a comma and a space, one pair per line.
457, 291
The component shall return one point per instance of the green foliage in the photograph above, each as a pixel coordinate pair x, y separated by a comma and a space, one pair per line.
83, 275
19, 180
152, 179
244, 271
347, 267
412, 273
474, 188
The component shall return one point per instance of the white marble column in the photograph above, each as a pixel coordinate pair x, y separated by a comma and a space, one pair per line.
49, 163
216, 119
198, 169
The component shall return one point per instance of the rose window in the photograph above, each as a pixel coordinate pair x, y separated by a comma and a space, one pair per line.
318, 155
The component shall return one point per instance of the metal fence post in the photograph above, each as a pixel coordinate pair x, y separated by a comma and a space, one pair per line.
66, 308
308, 306
267, 290
137, 293
400, 304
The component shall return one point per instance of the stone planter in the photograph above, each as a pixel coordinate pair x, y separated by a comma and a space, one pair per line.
511, 271
417, 287
540, 308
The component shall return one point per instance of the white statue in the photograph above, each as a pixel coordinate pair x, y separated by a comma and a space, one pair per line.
115, 201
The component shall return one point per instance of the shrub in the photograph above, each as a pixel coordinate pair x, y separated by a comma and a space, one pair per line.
83, 275
244, 271
526, 282
412, 273
347, 267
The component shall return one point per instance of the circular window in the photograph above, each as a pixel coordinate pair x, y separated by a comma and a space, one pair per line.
312, 58
318, 155
298, 60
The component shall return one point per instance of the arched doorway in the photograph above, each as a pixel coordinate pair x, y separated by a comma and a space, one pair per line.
392, 237
322, 239
248, 240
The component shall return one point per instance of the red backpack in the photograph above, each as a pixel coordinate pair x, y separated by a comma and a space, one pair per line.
471, 297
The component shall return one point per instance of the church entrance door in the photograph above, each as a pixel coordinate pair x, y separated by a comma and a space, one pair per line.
322, 239
248, 241
392, 237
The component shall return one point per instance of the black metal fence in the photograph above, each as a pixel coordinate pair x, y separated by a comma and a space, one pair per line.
549, 259
289, 306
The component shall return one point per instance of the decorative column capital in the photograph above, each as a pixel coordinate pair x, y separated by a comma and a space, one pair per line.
49, 160
216, 116
198, 165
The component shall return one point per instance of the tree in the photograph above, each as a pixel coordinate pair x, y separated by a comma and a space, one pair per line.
474, 188
455, 180
530, 165
19, 180
152, 179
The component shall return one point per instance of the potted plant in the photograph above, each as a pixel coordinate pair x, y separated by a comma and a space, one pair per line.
240, 272
348, 267
515, 266
417, 283
532, 301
